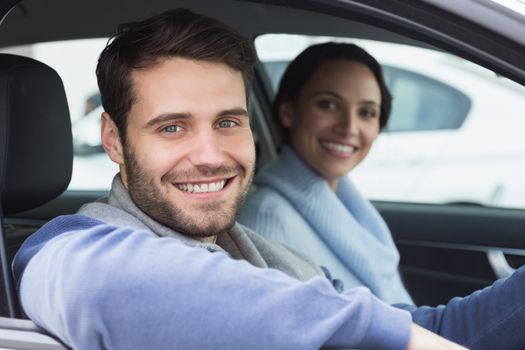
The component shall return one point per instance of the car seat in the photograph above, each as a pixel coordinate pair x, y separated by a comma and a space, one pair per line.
36, 150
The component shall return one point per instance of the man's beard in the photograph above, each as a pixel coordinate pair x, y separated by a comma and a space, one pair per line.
218, 217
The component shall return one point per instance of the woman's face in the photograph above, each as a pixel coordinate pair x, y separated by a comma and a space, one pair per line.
335, 118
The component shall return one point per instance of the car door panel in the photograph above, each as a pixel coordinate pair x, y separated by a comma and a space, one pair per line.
453, 250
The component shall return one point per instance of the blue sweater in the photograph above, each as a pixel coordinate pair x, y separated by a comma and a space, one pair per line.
127, 285
99, 286
340, 230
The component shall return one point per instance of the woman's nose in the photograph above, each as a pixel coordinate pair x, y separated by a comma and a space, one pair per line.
348, 123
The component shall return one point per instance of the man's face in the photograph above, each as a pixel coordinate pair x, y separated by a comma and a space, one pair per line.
189, 157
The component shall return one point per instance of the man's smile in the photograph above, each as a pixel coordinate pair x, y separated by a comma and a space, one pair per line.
202, 187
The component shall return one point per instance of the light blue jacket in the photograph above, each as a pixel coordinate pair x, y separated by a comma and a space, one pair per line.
339, 230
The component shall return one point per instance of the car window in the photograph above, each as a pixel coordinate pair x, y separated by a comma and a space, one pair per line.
423, 103
92, 169
441, 144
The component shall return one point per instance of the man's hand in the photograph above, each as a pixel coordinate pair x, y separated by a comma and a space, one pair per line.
422, 339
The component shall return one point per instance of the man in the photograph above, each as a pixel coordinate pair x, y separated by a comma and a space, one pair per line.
161, 263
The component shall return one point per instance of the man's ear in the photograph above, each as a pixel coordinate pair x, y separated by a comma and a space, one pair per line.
111, 139
285, 111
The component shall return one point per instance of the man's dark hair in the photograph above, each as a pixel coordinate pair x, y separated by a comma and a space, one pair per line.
301, 69
174, 33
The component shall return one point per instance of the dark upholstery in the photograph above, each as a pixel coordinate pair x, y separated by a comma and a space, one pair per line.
36, 150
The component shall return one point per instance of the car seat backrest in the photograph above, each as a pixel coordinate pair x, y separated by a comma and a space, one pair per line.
36, 151
36, 148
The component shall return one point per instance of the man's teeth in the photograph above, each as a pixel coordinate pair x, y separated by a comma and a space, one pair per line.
339, 147
202, 188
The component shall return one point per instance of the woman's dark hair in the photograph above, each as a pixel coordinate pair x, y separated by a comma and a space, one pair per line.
174, 33
301, 69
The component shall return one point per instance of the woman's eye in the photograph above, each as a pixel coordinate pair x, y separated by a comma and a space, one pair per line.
328, 105
368, 112
226, 124
172, 128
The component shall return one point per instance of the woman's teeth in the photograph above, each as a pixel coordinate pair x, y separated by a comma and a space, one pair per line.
339, 147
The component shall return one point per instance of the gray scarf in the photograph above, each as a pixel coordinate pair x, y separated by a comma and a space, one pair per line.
239, 242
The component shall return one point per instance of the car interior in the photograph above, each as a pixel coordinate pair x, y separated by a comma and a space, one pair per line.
446, 250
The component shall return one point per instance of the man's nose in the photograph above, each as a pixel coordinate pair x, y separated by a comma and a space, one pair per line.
207, 150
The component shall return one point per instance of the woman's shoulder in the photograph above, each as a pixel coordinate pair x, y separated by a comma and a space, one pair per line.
264, 199
268, 212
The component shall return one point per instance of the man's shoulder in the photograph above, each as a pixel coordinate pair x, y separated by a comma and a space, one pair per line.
58, 226
282, 257
111, 215
53, 229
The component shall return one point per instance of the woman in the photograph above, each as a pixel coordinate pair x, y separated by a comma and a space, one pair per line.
332, 103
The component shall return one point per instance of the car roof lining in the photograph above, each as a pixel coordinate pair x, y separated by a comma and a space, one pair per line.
40, 15
408, 22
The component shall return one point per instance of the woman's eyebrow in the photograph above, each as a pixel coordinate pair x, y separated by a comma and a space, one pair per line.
370, 102
342, 98
327, 92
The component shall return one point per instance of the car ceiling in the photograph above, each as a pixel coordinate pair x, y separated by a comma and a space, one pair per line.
394, 20
99, 18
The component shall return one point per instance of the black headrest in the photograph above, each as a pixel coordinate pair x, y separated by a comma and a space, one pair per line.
36, 148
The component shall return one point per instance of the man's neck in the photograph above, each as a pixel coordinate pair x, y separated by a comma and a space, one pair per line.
209, 239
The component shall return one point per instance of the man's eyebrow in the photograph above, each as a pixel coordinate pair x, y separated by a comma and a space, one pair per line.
167, 117
234, 112
185, 116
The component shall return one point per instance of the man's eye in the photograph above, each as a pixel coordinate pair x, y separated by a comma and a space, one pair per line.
172, 128
226, 124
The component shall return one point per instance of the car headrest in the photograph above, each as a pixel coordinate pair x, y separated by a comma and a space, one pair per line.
36, 148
